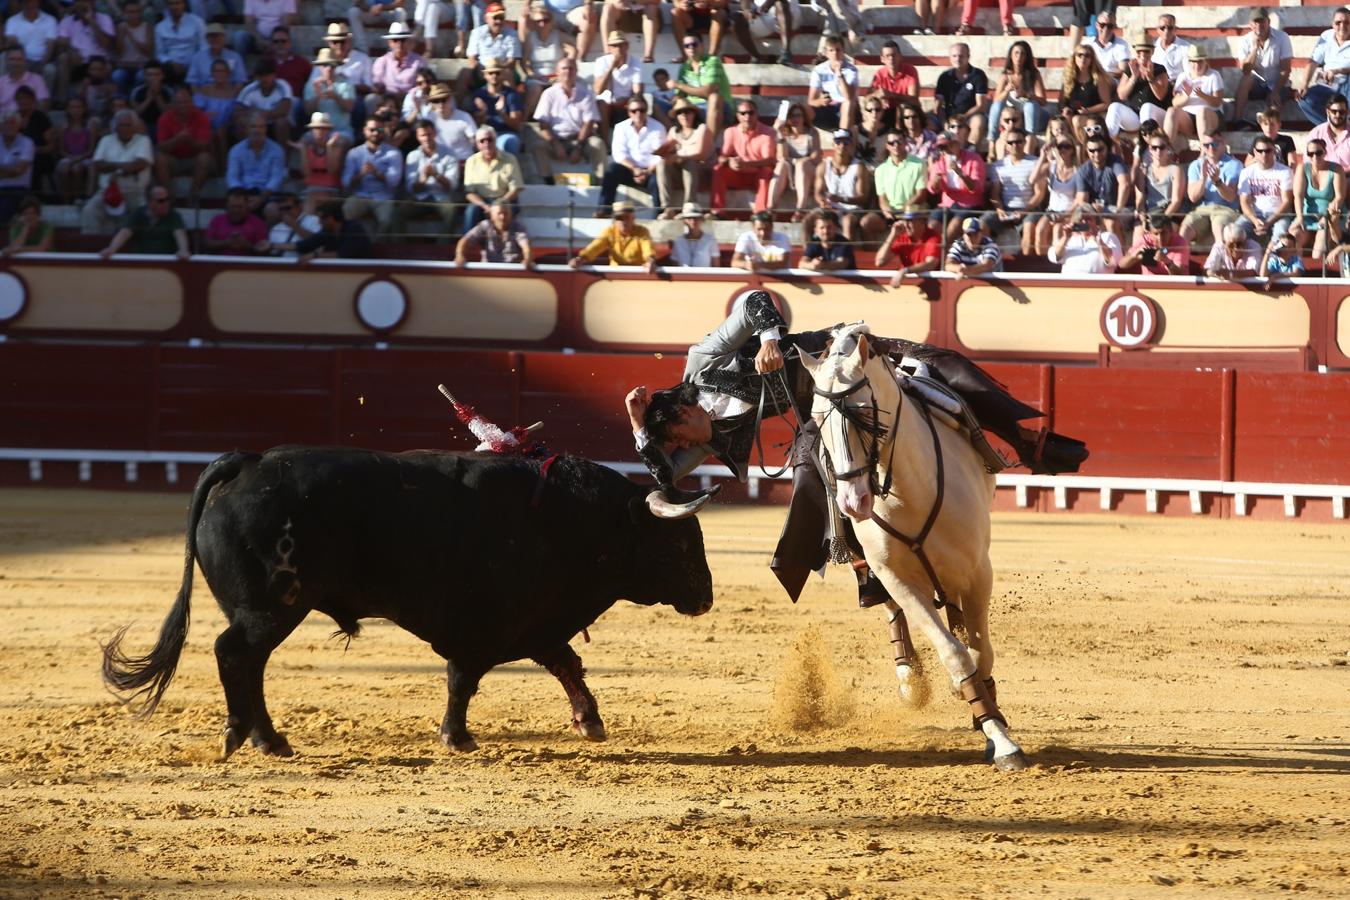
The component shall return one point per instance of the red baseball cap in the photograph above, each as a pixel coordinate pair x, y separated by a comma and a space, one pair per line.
494, 8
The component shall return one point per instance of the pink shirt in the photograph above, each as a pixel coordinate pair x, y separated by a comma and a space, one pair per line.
8, 87
82, 38
397, 78
943, 182
251, 229
753, 145
1338, 151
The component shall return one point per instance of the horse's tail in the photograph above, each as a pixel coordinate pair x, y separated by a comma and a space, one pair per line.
148, 676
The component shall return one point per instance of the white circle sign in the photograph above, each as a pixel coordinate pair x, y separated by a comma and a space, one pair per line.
1129, 320
381, 305
13, 296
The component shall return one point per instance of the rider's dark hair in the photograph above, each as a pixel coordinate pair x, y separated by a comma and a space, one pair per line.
668, 408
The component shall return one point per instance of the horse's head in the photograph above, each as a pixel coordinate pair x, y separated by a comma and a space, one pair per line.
855, 398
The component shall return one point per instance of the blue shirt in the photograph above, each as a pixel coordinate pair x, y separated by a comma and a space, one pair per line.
1229, 170
262, 171
1100, 185
1277, 266
177, 43
1329, 56
199, 70
483, 45
510, 102
381, 185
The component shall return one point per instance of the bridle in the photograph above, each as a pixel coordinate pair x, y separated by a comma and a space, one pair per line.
866, 418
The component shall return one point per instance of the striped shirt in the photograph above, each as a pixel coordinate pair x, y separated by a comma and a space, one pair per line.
961, 252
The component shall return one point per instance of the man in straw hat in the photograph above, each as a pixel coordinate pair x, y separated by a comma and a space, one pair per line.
1196, 101
330, 95
199, 69
375, 12
454, 127
695, 247
617, 77
352, 64
625, 242
499, 105
395, 73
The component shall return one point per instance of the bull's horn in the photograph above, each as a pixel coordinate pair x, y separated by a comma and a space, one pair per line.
664, 508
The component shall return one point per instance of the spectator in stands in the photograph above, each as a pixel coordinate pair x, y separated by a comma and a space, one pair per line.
870, 136
542, 47
338, 237
798, 157
491, 40
842, 17
16, 164
1281, 260
1159, 249
901, 184
576, 17
973, 254
957, 177
37, 126
382, 13
256, 165
199, 67
1103, 187
1112, 51
122, 158
150, 99
695, 247
261, 20
1267, 56
746, 160
133, 47
155, 227
919, 140
617, 77
17, 76
1083, 247
500, 238
564, 124
1020, 87
184, 141
28, 232
1170, 50
760, 20
702, 80
1057, 175
761, 248
236, 231
80, 35
701, 16
1212, 185
1265, 193
1159, 184
1195, 102
912, 244
179, 36
271, 98
322, 155
844, 187
963, 93
455, 129
1319, 199
332, 95
500, 106
1143, 95
1327, 74
97, 88
292, 68
1002, 126
431, 176
34, 32
394, 73
351, 65
1236, 256
1334, 133
634, 15
833, 91
1086, 90
689, 144
371, 175
825, 252
625, 242
1268, 123
74, 143
1012, 195
1084, 12
293, 225
894, 82
930, 13
218, 100
639, 145
416, 104
490, 176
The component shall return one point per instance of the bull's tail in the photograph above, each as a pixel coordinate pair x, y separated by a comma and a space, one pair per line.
147, 677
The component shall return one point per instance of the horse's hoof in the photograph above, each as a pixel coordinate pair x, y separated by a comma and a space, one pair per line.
1012, 762
276, 746
591, 731
988, 751
914, 690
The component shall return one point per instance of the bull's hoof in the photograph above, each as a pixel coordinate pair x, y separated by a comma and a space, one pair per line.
232, 741
276, 745
591, 731
1012, 762
462, 744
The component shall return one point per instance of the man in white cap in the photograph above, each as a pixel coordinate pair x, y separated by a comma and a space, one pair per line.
375, 12
199, 69
617, 77
695, 247
395, 73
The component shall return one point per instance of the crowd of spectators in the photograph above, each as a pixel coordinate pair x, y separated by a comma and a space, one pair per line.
989, 171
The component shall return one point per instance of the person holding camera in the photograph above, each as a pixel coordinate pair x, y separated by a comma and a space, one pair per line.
1084, 247
1159, 250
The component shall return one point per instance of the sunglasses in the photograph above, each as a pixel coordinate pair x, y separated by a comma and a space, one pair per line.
688, 44
893, 143
1096, 149
483, 140
281, 40
872, 109
1317, 153
1264, 149
636, 109
1167, 28
1106, 24
911, 118
1158, 148
1336, 109
745, 112
1064, 146
1016, 143
159, 199
1209, 144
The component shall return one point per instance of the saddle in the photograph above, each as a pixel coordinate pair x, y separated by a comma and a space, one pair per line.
950, 409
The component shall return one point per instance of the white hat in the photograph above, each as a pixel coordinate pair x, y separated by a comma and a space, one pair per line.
692, 211
320, 120
398, 31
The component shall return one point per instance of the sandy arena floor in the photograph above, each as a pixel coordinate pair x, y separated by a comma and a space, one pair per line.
1181, 687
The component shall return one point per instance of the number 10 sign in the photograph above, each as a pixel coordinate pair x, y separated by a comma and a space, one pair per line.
1130, 321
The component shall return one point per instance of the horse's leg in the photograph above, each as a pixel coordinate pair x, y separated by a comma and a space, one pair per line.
908, 667
976, 605
956, 659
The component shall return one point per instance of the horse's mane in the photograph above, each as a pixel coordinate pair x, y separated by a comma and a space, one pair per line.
845, 342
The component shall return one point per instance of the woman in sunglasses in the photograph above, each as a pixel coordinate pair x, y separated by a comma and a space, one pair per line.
798, 155
1159, 183
1056, 178
1019, 89
1087, 87
1319, 199
919, 140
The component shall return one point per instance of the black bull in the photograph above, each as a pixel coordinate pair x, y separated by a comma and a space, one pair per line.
477, 555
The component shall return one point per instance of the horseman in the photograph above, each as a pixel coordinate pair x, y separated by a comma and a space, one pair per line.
749, 369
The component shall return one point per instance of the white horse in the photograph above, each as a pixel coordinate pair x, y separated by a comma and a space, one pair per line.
882, 448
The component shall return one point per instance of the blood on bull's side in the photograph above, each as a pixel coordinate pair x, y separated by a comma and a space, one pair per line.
488, 558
